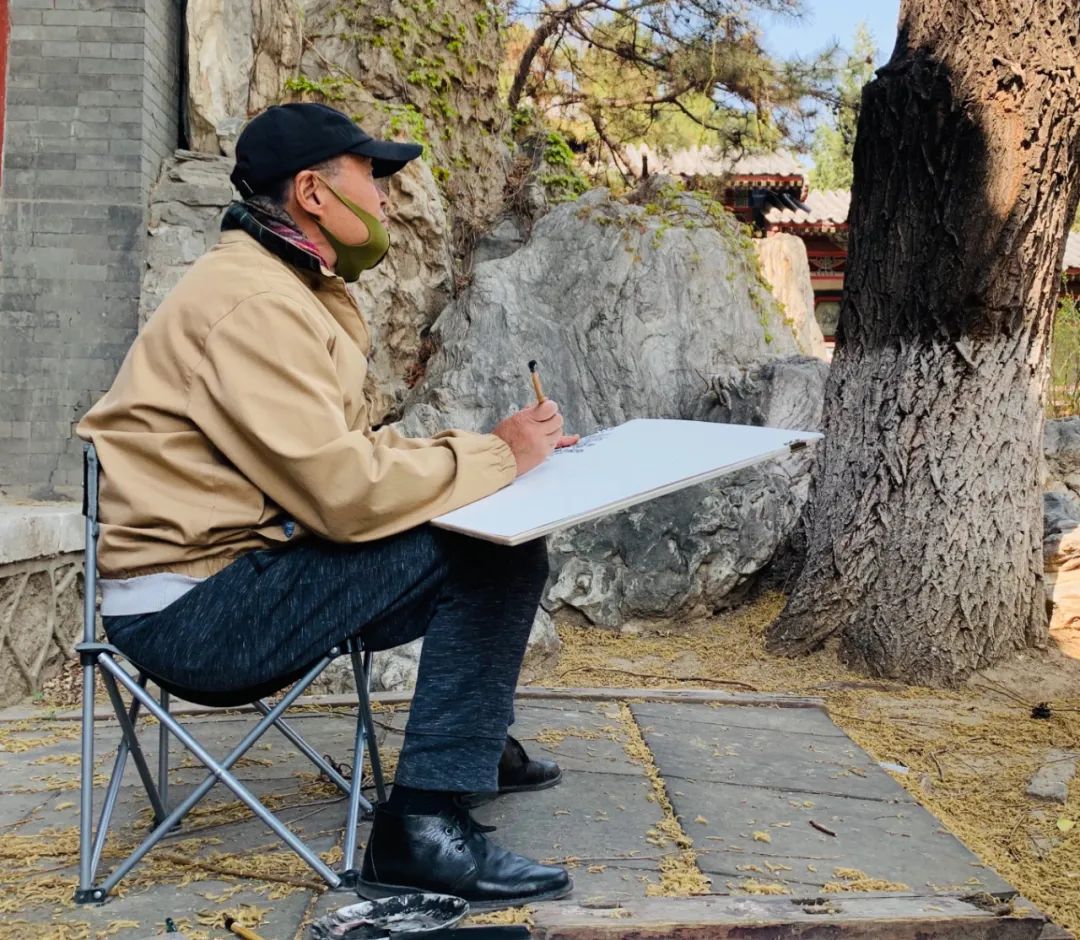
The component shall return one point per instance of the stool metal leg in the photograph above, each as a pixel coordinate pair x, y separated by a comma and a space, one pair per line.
362, 675
309, 752
127, 727
219, 770
352, 819
129, 744
86, 794
85, 892
365, 729
163, 756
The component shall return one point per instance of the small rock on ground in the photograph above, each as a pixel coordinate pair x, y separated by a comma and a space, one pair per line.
1051, 780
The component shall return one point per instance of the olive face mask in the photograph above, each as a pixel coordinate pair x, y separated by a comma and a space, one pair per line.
353, 260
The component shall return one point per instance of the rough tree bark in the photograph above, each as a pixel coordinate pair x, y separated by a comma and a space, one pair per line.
536, 42
924, 555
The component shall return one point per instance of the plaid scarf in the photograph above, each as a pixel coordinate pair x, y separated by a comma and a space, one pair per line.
274, 229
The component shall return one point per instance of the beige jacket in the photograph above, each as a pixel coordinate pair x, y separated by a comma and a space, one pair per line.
241, 406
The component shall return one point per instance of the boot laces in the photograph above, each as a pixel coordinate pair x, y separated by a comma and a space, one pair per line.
468, 826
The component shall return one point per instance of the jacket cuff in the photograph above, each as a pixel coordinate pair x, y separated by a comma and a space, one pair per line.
505, 461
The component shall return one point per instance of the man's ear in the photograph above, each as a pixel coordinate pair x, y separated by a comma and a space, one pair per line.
306, 193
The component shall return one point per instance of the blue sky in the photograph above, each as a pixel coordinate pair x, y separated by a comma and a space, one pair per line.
829, 20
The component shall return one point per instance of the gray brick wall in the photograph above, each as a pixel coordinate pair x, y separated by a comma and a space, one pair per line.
91, 110
161, 81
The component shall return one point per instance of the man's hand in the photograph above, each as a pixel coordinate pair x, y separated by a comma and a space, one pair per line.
533, 434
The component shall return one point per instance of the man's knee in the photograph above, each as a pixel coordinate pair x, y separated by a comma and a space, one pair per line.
533, 560
525, 564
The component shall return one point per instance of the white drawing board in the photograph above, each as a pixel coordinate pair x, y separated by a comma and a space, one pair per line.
614, 469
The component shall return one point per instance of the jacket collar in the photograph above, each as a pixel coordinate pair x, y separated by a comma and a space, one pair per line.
277, 236
307, 266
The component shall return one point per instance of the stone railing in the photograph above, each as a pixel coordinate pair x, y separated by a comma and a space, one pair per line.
41, 591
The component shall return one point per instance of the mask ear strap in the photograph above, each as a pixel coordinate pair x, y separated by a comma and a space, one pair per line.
322, 179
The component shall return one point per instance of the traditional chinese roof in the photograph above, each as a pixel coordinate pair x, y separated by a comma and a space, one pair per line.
781, 166
828, 209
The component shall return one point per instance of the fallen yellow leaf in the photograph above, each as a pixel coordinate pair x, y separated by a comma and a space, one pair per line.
1065, 824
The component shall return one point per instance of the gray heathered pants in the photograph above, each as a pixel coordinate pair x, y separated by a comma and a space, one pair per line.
259, 623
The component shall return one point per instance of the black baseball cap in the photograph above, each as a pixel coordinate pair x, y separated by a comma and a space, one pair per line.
287, 138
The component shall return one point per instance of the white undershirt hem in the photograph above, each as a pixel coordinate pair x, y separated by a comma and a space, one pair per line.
146, 594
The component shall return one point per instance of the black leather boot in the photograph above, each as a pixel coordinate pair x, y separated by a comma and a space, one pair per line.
448, 853
519, 772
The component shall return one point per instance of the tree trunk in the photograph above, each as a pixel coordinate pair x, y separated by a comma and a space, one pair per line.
548, 25
925, 550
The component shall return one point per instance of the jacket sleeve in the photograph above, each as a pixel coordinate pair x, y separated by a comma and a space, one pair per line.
271, 402
389, 436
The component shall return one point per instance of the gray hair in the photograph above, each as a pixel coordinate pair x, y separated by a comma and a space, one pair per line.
276, 193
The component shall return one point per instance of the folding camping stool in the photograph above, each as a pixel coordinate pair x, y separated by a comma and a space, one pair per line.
104, 659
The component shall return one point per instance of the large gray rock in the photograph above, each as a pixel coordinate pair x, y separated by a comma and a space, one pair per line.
403, 295
506, 237
685, 555
400, 298
779, 393
186, 205
629, 318
239, 55
785, 266
434, 73
403, 71
1061, 444
634, 313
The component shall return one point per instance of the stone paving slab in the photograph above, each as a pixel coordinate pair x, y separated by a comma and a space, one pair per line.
898, 842
592, 743
767, 756
597, 819
729, 772
150, 907
789, 721
271, 757
596, 826
747, 790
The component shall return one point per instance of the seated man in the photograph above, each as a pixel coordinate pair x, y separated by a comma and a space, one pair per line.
252, 518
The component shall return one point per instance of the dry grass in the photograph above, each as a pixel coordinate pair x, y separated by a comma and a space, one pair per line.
679, 873
37, 869
970, 752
